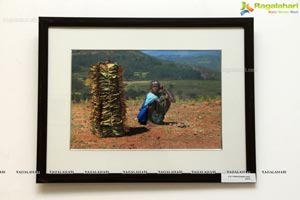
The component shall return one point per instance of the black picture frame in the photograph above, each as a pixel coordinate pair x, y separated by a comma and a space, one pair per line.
45, 22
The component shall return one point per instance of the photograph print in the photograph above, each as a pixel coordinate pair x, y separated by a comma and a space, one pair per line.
146, 99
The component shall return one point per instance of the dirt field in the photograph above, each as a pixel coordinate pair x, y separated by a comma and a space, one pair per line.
189, 125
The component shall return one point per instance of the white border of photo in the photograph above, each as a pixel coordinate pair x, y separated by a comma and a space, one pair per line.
232, 155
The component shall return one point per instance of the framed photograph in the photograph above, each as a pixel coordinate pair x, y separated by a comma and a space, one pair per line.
146, 100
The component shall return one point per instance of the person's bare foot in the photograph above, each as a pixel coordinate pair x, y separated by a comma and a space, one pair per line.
150, 123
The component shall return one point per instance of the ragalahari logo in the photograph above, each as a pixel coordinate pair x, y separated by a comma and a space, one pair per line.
245, 8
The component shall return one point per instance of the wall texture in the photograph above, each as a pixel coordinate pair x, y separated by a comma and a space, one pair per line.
277, 99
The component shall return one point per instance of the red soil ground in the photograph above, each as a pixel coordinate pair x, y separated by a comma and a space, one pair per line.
201, 130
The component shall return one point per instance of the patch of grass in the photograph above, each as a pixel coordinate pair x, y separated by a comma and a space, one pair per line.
182, 89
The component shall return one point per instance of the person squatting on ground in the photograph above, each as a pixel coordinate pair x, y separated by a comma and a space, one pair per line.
156, 104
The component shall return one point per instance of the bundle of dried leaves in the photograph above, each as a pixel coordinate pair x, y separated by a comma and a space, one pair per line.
108, 113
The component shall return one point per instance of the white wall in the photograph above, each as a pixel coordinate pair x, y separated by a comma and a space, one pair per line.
277, 99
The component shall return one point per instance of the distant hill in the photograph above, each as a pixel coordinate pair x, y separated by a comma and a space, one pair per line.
210, 59
137, 66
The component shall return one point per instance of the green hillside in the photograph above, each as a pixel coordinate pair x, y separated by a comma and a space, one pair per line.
210, 62
210, 59
137, 67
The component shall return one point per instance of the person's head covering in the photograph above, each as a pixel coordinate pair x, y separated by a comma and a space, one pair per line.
155, 82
